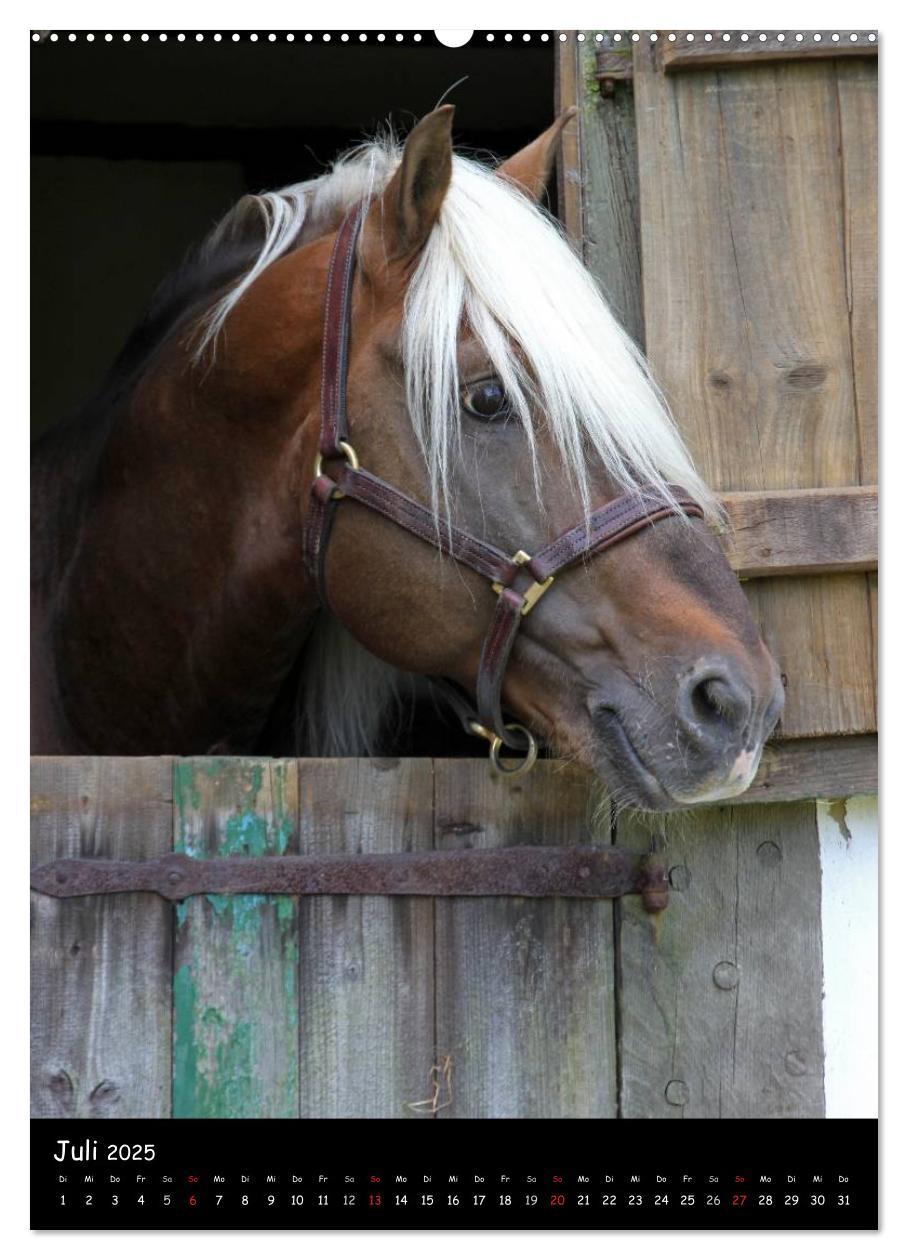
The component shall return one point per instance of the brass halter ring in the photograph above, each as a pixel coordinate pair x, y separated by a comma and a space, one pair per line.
496, 743
352, 461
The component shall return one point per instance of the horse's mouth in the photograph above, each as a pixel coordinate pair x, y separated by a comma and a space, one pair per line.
596, 729
642, 787
639, 785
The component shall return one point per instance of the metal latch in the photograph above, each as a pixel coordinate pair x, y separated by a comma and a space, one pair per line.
521, 871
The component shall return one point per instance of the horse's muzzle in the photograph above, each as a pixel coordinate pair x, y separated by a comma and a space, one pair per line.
706, 747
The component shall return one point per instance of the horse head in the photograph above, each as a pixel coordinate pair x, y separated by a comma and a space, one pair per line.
487, 380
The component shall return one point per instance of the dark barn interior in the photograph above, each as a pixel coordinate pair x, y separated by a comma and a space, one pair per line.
138, 149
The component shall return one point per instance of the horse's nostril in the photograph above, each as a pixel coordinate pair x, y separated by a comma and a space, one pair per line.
713, 704
713, 698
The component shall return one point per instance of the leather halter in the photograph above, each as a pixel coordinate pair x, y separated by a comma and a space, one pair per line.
519, 581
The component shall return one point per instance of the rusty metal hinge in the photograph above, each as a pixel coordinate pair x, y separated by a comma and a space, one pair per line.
613, 65
522, 871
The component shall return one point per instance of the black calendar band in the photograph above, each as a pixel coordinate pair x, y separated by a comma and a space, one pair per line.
454, 1174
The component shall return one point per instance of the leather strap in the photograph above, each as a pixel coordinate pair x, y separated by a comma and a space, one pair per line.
366, 488
336, 334
605, 527
609, 525
493, 661
333, 429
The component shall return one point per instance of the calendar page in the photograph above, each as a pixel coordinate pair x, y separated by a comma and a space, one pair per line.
454, 677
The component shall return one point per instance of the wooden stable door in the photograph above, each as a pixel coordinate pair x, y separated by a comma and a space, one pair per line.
725, 194
417, 1007
726, 198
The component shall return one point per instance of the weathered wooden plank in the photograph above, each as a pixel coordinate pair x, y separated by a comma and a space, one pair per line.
856, 83
721, 1001
611, 195
101, 966
873, 604
747, 319
815, 769
792, 532
858, 115
570, 174
524, 988
828, 768
696, 50
748, 328
367, 1036
819, 632
235, 985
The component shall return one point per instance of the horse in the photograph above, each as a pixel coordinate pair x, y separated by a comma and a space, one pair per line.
174, 611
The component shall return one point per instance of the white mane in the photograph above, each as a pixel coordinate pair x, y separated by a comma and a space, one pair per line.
498, 264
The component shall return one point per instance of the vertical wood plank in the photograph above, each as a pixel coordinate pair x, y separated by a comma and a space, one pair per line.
367, 1042
858, 119
524, 986
859, 122
750, 328
721, 996
819, 629
873, 604
235, 1003
747, 316
611, 190
101, 966
570, 153
598, 182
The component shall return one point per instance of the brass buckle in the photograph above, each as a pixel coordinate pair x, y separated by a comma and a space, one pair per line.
533, 594
496, 743
352, 462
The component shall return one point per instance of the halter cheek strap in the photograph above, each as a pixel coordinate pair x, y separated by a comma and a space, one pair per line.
519, 581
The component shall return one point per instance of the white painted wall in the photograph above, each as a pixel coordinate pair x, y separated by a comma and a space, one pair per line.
848, 856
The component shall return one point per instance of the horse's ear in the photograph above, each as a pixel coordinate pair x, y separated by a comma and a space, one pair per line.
400, 220
531, 167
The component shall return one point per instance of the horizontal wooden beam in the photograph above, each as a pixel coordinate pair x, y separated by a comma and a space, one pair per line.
827, 768
708, 50
782, 533
830, 768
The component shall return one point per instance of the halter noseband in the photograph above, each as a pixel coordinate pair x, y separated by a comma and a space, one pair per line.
519, 581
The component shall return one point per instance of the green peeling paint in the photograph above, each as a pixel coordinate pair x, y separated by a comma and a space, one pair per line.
235, 1041
185, 1070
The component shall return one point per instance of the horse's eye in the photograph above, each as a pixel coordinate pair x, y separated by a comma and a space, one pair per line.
486, 400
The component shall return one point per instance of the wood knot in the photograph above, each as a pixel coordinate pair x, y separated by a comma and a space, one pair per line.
104, 1096
60, 1084
719, 379
451, 828
805, 376
62, 1090
105, 1091
795, 1063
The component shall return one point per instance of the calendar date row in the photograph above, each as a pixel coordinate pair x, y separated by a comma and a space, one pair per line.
380, 1200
